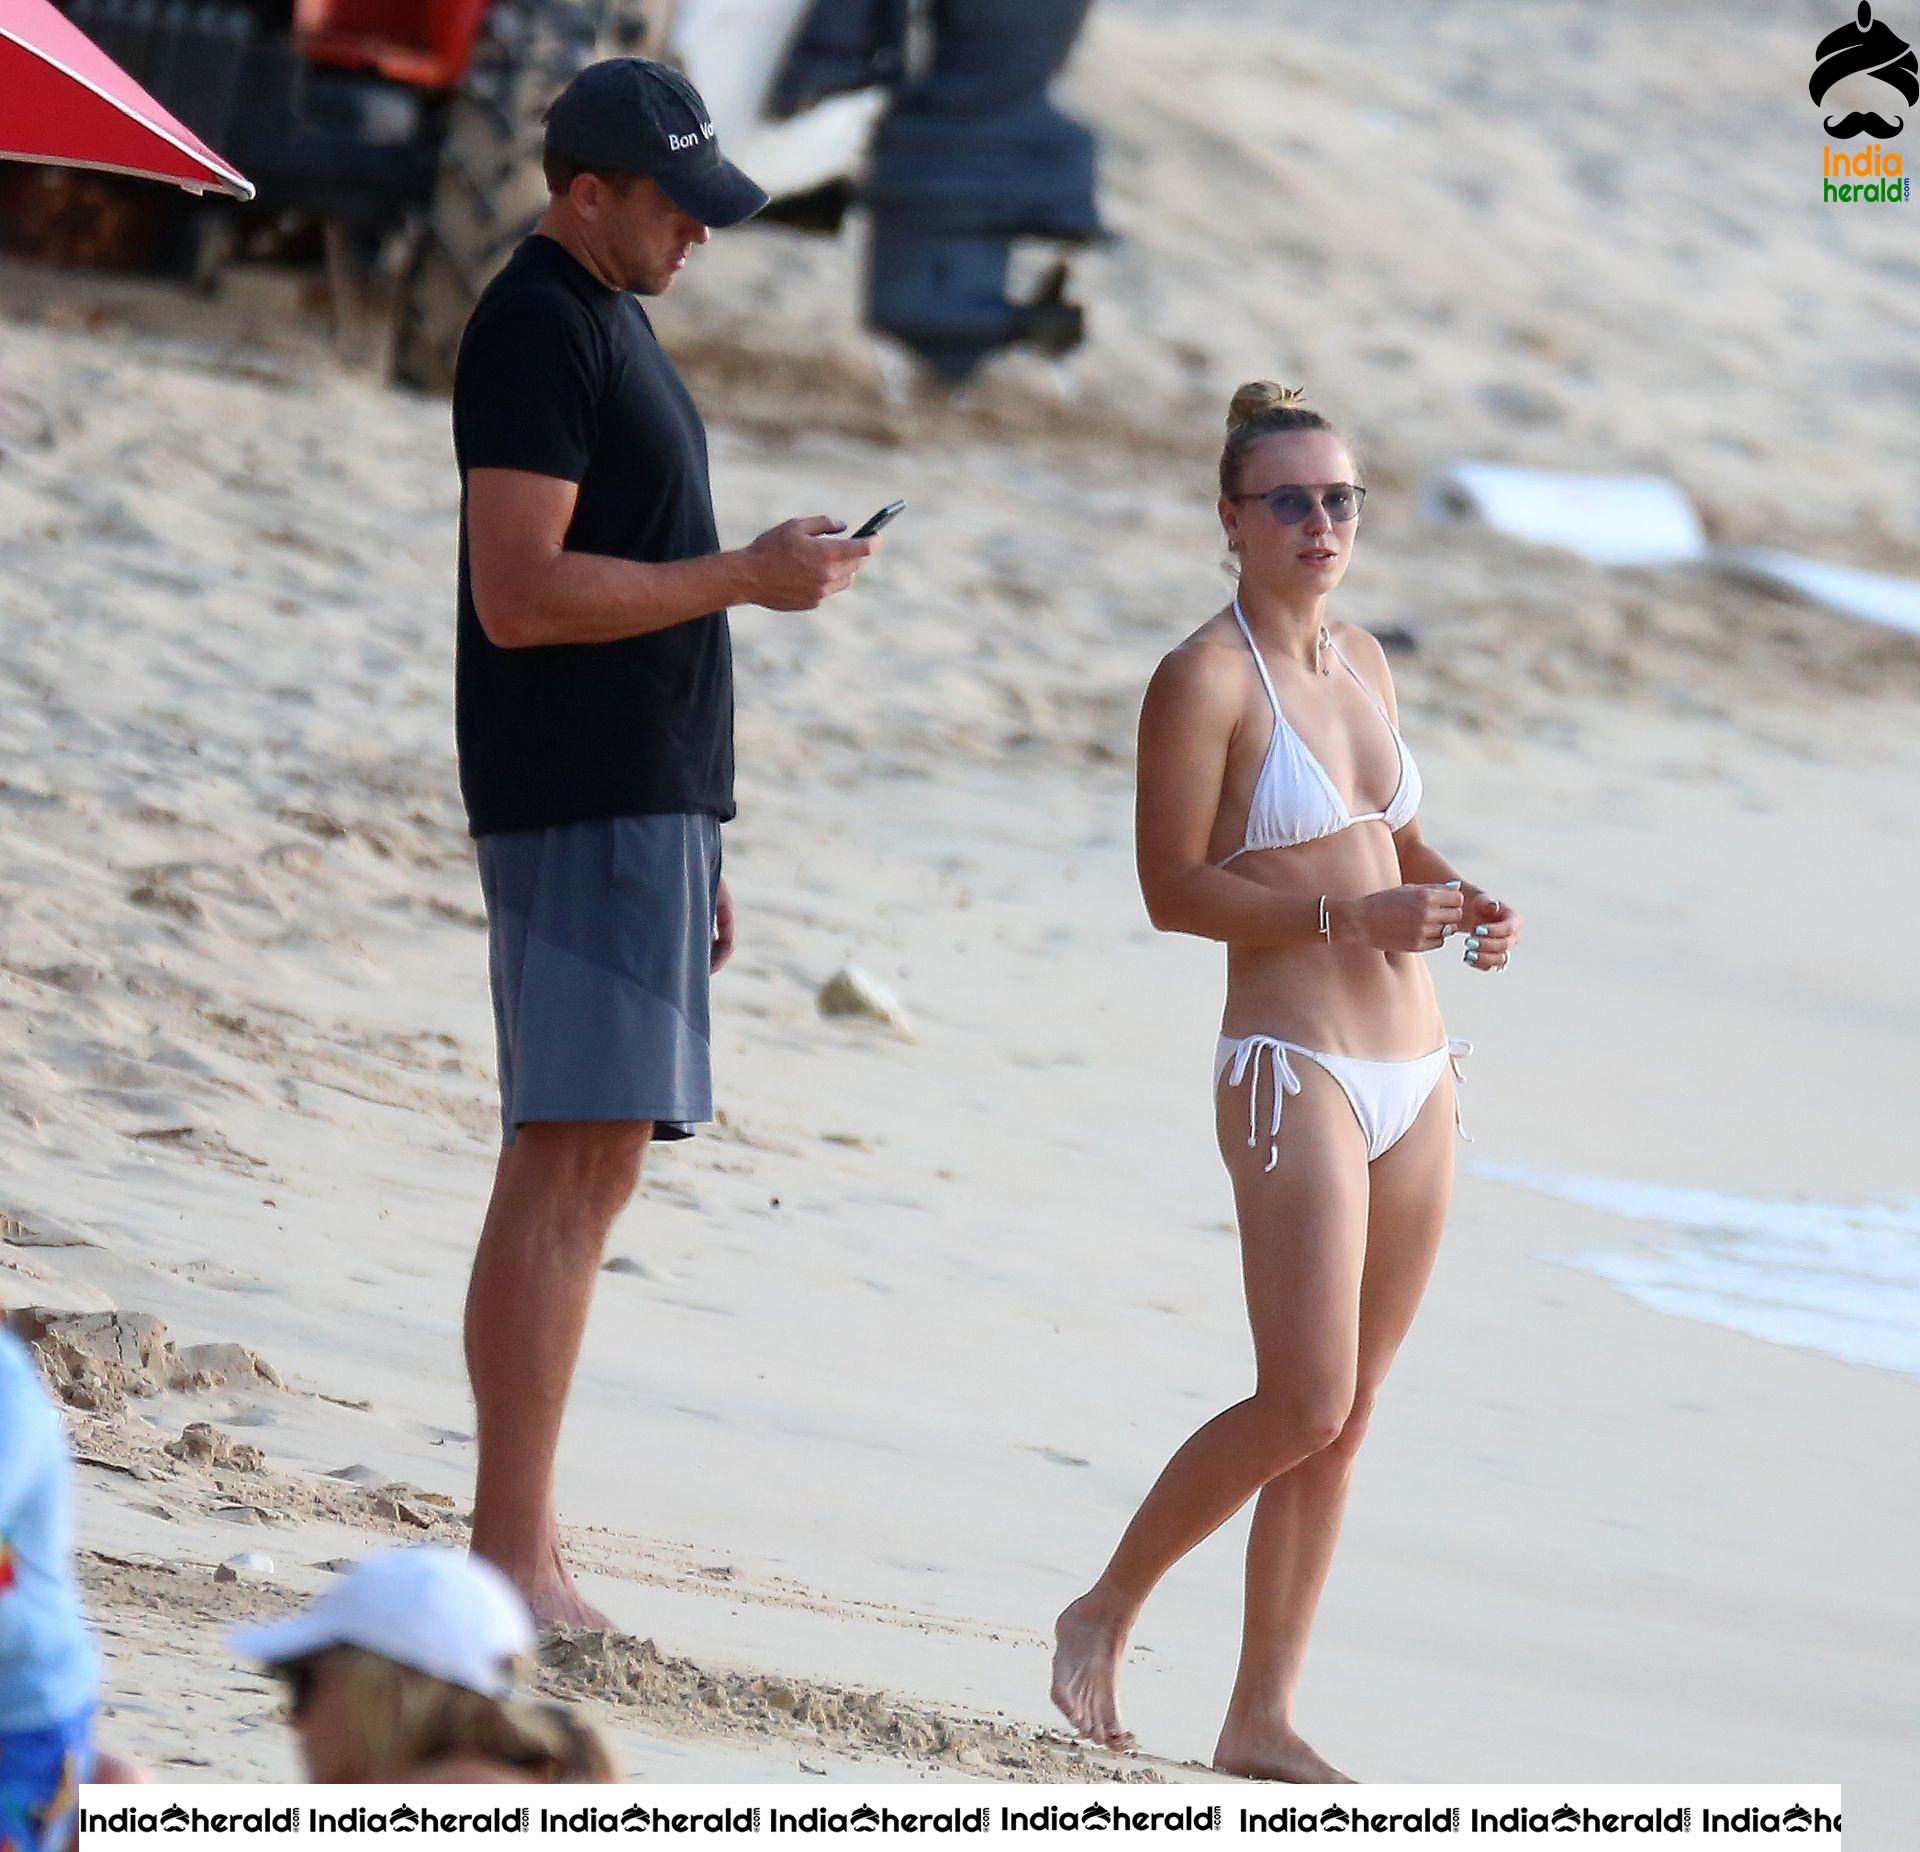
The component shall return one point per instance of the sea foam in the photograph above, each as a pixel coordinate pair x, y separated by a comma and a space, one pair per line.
1839, 1278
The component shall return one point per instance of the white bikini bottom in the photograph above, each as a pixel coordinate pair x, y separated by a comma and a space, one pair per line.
1386, 1096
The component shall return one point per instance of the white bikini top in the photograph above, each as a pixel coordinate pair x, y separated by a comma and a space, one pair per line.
1294, 801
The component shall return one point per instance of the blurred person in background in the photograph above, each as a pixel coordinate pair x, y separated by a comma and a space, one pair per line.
405, 1672
1287, 829
49, 1666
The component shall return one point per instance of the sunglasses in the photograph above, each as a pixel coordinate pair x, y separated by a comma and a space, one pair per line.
1292, 502
300, 1676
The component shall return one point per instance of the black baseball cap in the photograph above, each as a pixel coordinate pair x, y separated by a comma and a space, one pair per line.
638, 116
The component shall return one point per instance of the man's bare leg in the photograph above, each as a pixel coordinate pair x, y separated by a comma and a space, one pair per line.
555, 1195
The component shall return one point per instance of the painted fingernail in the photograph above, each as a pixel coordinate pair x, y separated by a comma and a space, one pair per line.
1473, 957
1453, 884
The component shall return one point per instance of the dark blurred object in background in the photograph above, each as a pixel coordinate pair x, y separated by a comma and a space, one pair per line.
402, 138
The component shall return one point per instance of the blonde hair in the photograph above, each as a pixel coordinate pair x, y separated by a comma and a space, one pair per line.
1260, 409
400, 1720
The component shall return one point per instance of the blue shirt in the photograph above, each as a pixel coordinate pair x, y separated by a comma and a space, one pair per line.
49, 1668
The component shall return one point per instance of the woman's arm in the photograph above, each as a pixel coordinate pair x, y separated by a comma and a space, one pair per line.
1493, 927
1421, 861
1186, 727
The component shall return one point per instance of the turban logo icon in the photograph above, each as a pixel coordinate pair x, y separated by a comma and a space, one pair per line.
1868, 45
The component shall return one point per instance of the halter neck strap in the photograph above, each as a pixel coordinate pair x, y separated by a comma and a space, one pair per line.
1259, 661
1366, 688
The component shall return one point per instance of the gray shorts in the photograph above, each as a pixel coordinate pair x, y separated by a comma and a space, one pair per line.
599, 940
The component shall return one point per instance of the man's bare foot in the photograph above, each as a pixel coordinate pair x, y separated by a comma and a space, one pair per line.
556, 1602
1086, 1672
555, 1606
547, 1589
594, 1618
1272, 1754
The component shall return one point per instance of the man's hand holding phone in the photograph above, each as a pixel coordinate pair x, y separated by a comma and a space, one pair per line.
800, 564
877, 520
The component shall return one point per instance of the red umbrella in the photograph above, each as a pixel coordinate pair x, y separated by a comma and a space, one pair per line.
65, 102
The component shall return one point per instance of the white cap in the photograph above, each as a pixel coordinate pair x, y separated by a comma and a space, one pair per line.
440, 1611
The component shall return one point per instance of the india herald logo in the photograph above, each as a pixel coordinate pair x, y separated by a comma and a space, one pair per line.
1870, 46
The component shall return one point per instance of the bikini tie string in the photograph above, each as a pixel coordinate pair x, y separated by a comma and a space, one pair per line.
1285, 1081
1457, 1049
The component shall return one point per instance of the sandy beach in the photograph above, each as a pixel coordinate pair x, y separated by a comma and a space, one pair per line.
880, 1365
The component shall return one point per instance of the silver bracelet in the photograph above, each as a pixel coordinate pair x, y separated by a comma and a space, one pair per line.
1326, 921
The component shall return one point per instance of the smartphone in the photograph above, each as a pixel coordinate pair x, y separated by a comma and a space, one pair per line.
876, 521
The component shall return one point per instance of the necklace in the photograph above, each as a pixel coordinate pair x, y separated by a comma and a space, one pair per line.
1321, 644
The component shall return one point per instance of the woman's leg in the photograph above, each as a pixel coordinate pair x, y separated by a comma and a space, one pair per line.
1297, 1521
1302, 1243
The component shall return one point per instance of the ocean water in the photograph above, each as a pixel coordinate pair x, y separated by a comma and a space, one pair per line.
1839, 1278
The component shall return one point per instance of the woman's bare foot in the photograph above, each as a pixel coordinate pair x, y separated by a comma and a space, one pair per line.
1088, 1642
1272, 1753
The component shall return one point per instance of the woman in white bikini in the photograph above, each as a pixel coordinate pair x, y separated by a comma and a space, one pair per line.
1277, 814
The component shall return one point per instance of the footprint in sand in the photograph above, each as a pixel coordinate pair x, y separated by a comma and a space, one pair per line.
638, 1269
219, 1276
1055, 1455
359, 1473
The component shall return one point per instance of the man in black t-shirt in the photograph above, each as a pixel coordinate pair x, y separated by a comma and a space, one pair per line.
594, 715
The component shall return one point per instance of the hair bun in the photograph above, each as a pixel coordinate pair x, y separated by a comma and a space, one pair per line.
1262, 395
